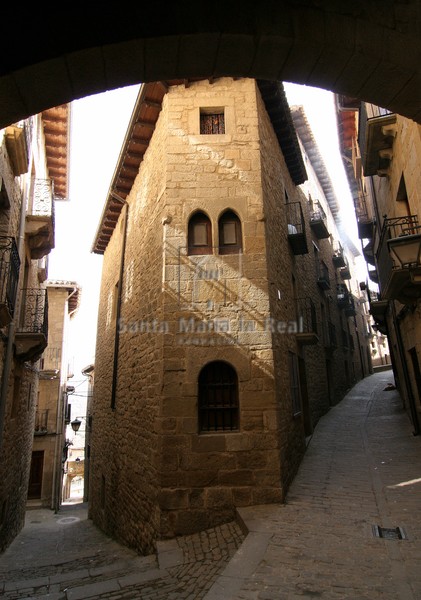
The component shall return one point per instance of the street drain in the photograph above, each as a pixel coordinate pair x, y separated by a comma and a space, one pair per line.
389, 533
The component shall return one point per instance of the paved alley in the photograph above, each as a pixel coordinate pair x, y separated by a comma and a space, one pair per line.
350, 529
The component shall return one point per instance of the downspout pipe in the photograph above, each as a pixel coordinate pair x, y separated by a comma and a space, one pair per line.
119, 301
7, 366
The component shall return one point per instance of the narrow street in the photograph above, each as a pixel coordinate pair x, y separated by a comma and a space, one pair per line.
350, 529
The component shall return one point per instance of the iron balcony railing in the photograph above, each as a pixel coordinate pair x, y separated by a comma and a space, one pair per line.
34, 316
317, 213
41, 422
9, 273
42, 199
338, 254
323, 278
296, 227
394, 227
307, 315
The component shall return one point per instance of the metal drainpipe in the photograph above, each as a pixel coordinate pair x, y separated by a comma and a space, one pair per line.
118, 311
401, 349
7, 367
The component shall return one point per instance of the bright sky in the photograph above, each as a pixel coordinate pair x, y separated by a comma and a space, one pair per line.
99, 124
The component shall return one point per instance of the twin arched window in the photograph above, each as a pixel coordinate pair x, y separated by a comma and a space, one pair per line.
218, 397
200, 234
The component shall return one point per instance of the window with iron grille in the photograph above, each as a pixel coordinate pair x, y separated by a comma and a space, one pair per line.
229, 233
199, 234
212, 121
218, 398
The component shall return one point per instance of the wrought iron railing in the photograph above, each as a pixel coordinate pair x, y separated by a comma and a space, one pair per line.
342, 295
295, 218
323, 272
307, 315
41, 422
361, 209
9, 272
42, 198
337, 249
394, 227
317, 213
34, 315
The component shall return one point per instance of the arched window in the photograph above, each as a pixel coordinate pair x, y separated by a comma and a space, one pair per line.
229, 233
218, 398
199, 234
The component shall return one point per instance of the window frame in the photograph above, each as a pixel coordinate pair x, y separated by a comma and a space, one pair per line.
196, 219
215, 112
226, 248
218, 412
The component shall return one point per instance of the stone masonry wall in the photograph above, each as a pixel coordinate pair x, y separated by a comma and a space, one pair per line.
205, 475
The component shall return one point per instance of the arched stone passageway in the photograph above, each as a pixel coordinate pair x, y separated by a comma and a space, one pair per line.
365, 48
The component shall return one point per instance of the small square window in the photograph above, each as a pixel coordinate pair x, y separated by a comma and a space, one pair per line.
212, 121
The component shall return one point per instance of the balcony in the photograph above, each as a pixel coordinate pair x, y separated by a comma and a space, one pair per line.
350, 309
323, 279
378, 310
342, 295
345, 271
296, 228
365, 220
345, 300
376, 136
40, 218
338, 257
17, 148
318, 221
32, 334
307, 319
373, 274
41, 422
368, 252
399, 260
9, 277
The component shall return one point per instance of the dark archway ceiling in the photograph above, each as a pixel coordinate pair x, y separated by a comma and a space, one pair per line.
369, 49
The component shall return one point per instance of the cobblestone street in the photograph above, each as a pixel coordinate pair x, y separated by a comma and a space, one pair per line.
361, 477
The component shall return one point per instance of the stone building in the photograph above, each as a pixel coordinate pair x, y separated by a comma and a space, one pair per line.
382, 153
33, 175
219, 343
49, 445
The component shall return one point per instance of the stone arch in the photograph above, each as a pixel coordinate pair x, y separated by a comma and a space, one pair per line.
359, 49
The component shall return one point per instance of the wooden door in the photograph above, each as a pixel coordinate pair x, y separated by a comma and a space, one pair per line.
35, 475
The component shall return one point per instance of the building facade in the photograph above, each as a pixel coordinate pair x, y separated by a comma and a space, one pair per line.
49, 445
382, 153
33, 175
218, 308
